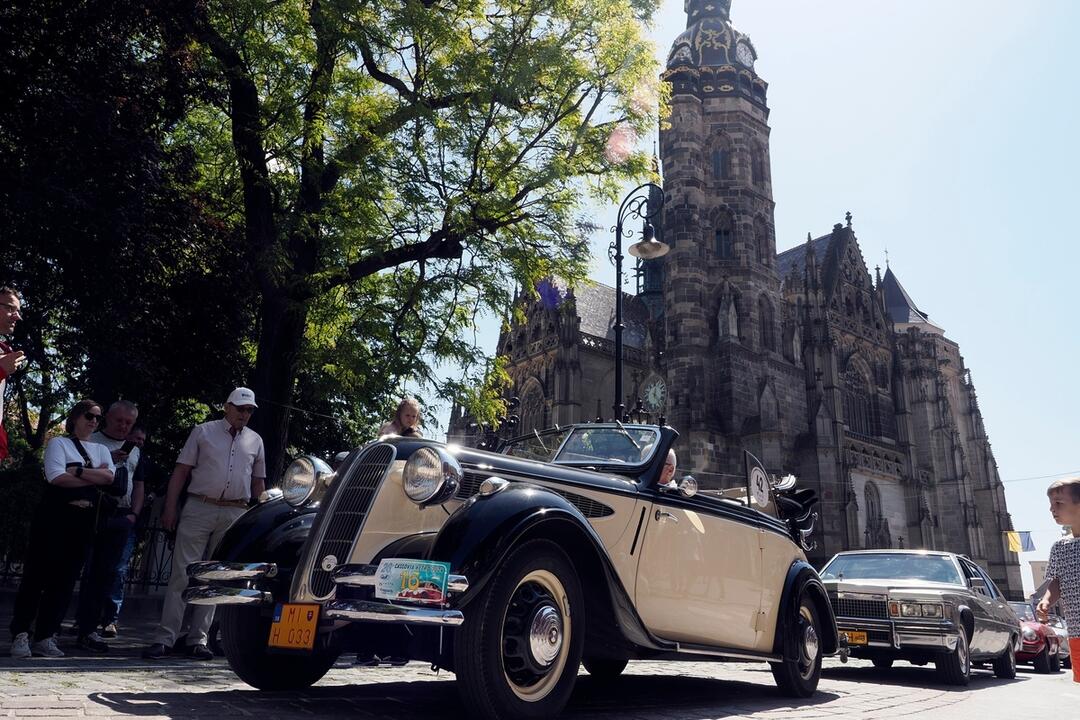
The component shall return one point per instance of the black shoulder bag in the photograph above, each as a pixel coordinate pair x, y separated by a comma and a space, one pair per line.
107, 495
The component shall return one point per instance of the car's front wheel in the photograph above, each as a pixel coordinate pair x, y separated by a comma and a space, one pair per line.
955, 667
244, 634
517, 654
799, 677
1042, 661
1055, 661
1005, 663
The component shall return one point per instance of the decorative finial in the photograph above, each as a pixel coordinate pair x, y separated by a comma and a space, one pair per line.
877, 272
808, 239
655, 160
848, 218
886, 257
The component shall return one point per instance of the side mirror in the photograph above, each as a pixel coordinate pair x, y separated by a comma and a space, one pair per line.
687, 487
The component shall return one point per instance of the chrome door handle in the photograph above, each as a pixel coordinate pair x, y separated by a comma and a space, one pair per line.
665, 514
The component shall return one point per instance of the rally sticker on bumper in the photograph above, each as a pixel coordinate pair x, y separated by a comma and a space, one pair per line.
409, 580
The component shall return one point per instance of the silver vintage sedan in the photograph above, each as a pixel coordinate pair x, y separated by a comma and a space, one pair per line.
922, 606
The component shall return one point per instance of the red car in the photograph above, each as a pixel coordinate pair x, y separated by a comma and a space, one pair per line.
1039, 644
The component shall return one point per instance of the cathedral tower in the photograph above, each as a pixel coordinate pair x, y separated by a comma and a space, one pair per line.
721, 289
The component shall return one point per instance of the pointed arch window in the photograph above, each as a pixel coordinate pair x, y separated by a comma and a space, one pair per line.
757, 164
725, 236
858, 403
767, 323
721, 163
761, 242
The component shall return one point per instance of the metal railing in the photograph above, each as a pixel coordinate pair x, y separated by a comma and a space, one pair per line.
148, 570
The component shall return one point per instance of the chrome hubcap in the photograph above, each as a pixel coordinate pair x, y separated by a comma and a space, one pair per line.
811, 644
545, 635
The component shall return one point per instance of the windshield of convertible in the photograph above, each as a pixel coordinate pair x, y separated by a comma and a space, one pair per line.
892, 566
588, 445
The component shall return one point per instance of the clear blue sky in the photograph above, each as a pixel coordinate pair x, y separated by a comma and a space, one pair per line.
949, 129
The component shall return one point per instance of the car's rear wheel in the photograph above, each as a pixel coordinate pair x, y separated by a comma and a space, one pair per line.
1005, 664
1042, 661
604, 668
954, 668
244, 634
517, 655
799, 677
882, 663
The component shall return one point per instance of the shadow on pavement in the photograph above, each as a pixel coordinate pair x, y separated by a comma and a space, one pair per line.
912, 676
685, 697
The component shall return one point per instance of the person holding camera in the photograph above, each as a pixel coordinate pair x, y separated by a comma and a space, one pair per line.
115, 534
60, 532
406, 420
10, 360
227, 466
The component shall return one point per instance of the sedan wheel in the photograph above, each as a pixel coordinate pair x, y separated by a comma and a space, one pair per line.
1005, 664
518, 653
955, 667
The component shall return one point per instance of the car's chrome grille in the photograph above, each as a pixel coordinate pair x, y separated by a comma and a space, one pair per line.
860, 608
350, 505
470, 485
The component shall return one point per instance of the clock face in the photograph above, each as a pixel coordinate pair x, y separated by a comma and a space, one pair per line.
655, 392
744, 55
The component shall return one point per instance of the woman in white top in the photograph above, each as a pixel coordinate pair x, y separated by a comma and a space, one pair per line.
406, 420
60, 532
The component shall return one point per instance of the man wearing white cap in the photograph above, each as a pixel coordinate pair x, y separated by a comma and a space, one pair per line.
227, 466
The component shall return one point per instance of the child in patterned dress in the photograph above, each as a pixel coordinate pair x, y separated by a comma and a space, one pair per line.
1063, 569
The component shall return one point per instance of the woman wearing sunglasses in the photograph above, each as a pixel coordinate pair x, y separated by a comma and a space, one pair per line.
60, 532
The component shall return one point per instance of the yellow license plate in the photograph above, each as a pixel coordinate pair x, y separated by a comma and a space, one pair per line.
294, 626
856, 638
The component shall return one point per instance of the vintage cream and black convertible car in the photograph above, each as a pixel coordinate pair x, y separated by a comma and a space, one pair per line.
922, 606
511, 568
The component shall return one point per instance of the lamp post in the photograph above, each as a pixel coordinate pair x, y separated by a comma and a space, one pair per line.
634, 205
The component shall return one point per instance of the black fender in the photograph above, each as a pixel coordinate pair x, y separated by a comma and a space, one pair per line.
477, 538
801, 577
274, 532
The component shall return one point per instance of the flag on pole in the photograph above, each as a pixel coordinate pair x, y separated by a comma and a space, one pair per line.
1020, 541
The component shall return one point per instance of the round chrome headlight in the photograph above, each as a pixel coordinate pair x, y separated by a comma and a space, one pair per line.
302, 478
431, 476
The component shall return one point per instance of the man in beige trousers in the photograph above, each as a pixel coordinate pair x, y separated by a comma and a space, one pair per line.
225, 461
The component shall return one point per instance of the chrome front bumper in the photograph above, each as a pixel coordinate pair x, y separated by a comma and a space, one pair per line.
380, 611
902, 635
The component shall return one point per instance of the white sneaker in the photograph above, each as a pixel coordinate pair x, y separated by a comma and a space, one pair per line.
47, 648
20, 647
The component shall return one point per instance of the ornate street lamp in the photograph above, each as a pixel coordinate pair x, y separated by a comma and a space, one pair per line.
634, 205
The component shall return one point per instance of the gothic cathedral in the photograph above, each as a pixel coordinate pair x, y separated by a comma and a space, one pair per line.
802, 357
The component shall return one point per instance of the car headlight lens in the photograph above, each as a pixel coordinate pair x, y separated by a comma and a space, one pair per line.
431, 476
302, 478
1029, 634
931, 610
910, 610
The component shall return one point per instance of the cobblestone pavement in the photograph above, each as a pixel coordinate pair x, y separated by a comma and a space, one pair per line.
121, 684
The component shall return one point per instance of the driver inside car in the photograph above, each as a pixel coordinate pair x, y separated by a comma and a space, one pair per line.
667, 475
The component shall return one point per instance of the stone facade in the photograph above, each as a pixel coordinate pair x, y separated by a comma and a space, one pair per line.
802, 358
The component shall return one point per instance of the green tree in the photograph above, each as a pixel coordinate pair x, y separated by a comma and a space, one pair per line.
129, 287
397, 167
